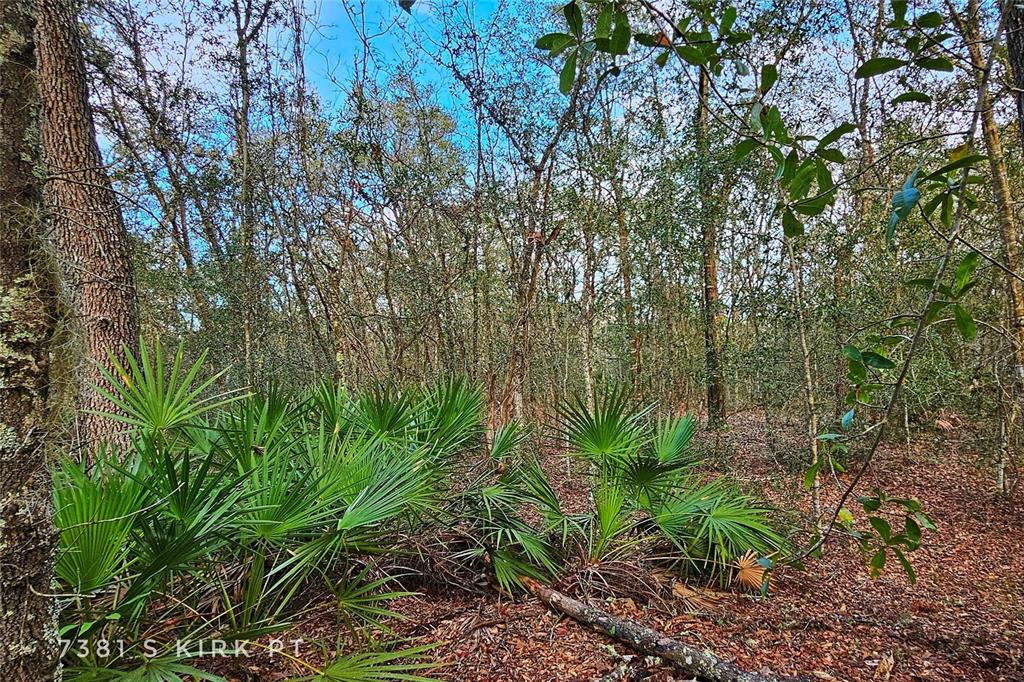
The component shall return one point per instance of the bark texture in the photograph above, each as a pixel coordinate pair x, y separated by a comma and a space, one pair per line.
85, 218
692, 661
28, 624
1013, 12
709, 232
968, 23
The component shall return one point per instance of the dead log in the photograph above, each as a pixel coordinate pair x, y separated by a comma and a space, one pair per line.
698, 663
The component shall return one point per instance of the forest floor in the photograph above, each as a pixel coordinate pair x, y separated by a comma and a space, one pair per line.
962, 620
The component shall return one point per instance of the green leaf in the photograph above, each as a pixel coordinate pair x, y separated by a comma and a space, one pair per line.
769, 74
791, 225
573, 17
691, 55
603, 26
878, 562
621, 35
911, 575
935, 64
568, 75
912, 530
899, 11
553, 41
871, 504
925, 521
852, 352
858, 371
965, 323
878, 66
728, 19
745, 146
831, 154
968, 160
912, 96
811, 474
881, 527
878, 361
965, 269
835, 134
929, 20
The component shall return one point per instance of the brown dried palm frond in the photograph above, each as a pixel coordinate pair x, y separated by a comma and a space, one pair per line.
749, 571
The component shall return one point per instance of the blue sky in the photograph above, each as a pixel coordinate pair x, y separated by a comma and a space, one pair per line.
332, 46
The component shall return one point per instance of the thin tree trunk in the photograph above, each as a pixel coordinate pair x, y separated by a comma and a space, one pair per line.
248, 24
1013, 16
28, 628
810, 404
709, 232
91, 238
626, 274
587, 305
1001, 192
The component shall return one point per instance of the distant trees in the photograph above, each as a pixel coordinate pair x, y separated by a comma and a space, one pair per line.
28, 628
84, 217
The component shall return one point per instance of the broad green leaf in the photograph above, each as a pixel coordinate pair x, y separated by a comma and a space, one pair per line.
878, 562
957, 164
912, 96
878, 66
965, 323
769, 74
911, 575
912, 530
568, 74
878, 361
691, 55
899, 11
929, 20
573, 17
881, 527
852, 352
553, 41
603, 26
791, 225
744, 148
965, 269
621, 35
935, 63
810, 475
728, 19
835, 134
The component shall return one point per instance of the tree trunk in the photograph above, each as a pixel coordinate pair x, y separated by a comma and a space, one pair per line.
809, 396
28, 628
86, 221
709, 232
968, 25
1013, 13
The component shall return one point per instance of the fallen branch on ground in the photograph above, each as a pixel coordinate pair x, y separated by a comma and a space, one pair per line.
699, 663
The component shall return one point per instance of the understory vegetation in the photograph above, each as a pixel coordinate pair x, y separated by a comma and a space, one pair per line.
230, 510
444, 334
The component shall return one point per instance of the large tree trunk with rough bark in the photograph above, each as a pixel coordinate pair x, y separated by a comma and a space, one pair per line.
28, 624
85, 219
